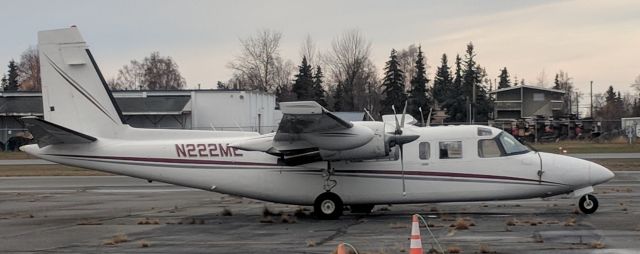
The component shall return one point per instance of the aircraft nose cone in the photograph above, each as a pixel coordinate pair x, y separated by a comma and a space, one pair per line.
600, 174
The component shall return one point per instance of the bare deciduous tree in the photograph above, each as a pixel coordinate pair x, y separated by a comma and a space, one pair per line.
129, 77
29, 70
349, 64
541, 79
258, 59
636, 83
309, 50
155, 72
407, 60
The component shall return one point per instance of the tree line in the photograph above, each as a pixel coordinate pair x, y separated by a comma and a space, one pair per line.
341, 78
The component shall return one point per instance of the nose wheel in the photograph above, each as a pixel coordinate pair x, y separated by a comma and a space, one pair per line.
588, 204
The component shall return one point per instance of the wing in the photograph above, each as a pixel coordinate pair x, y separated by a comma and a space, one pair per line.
47, 133
307, 127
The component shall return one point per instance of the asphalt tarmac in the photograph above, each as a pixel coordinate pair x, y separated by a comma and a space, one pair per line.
113, 214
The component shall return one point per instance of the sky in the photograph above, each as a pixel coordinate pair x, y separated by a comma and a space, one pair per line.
592, 40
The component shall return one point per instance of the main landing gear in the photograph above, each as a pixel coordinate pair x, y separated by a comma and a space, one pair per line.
328, 206
588, 204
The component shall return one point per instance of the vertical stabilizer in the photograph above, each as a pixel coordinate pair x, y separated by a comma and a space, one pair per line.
75, 94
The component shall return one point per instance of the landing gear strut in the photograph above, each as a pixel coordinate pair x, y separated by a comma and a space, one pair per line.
328, 206
326, 174
588, 204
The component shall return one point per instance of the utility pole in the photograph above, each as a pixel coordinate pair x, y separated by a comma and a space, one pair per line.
577, 105
591, 96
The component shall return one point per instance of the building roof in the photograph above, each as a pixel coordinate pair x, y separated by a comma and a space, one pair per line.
21, 106
130, 102
527, 86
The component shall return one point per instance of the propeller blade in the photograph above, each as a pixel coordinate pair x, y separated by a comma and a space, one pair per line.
404, 111
369, 114
395, 115
421, 116
404, 190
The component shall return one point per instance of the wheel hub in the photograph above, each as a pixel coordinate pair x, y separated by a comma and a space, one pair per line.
588, 204
327, 207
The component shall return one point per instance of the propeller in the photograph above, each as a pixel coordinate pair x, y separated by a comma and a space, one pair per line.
399, 140
369, 114
421, 116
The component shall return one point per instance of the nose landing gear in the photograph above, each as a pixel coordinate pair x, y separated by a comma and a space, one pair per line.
588, 204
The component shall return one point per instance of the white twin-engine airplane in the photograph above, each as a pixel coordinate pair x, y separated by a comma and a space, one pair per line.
315, 158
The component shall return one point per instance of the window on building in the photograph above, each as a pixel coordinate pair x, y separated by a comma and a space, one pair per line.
488, 148
450, 149
538, 96
424, 150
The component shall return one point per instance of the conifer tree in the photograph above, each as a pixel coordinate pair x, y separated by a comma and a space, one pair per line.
442, 81
556, 83
12, 79
303, 84
393, 86
418, 96
504, 82
318, 90
472, 77
455, 103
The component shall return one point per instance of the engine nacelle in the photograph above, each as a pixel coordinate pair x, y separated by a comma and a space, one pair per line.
340, 140
374, 148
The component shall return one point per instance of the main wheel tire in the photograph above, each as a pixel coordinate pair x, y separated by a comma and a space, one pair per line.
328, 206
367, 208
588, 204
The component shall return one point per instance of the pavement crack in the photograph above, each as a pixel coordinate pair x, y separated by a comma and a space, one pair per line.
339, 231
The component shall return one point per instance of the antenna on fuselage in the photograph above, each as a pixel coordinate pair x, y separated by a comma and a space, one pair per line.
429, 117
421, 117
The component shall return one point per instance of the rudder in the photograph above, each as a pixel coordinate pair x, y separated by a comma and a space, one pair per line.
75, 94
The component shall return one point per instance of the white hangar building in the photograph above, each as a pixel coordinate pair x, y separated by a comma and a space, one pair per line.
178, 109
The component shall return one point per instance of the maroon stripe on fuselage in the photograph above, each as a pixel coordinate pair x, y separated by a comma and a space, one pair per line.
167, 160
440, 174
339, 171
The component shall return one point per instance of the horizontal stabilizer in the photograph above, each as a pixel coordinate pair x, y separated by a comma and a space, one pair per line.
47, 133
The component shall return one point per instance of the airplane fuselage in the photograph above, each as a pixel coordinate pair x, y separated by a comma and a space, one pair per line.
204, 160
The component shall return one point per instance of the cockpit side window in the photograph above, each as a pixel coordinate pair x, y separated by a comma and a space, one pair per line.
511, 145
488, 148
450, 149
424, 150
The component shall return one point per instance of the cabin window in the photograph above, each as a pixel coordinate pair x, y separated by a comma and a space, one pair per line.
450, 149
424, 150
488, 148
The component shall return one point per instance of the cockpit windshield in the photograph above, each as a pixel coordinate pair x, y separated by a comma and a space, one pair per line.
511, 145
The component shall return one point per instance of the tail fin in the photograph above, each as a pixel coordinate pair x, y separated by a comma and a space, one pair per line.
75, 94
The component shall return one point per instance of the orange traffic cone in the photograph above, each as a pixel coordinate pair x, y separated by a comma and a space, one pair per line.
341, 249
416, 242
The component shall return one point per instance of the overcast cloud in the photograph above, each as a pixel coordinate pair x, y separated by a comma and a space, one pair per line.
590, 39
